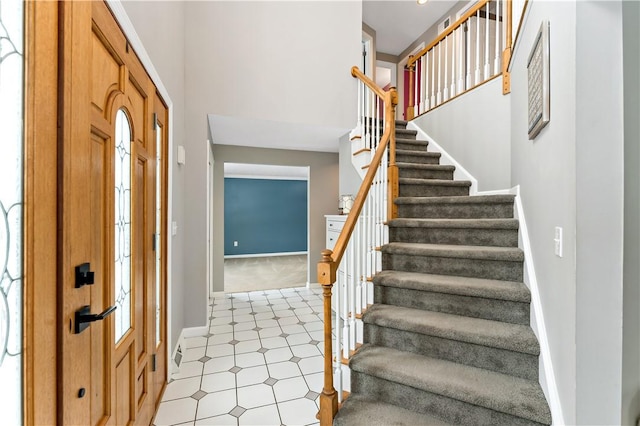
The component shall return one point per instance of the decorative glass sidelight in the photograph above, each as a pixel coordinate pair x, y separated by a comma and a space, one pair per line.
122, 224
158, 232
11, 165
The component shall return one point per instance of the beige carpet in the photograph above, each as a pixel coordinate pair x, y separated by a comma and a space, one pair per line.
264, 273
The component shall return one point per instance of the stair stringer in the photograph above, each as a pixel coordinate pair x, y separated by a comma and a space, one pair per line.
446, 159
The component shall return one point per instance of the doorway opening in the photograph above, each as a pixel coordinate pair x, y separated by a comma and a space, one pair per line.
266, 227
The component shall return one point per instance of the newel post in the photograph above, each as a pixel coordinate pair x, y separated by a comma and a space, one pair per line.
410, 114
393, 190
506, 54
329, 396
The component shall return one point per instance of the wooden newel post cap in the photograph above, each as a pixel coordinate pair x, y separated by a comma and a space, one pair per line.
326, 256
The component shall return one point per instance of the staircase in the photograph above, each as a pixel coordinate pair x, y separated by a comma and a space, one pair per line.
448, 339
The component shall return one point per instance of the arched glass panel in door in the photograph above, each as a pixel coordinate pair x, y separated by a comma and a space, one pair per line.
122, 224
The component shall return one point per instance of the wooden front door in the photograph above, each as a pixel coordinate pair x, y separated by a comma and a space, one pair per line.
112, 350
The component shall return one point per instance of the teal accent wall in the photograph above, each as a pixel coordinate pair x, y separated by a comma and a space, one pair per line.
265, 216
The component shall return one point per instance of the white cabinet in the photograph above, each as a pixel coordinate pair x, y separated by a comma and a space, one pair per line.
334, 226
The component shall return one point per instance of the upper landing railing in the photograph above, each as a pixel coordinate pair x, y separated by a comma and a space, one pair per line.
473, 50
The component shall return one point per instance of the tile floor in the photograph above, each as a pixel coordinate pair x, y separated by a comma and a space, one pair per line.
260, 364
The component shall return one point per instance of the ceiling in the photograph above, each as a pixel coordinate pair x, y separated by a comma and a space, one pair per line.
398, 23
244, 131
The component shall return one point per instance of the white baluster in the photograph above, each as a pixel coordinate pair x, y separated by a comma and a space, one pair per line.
496, 61
439, 95
421, 91
468, 66
461, 34
352, 298
357, 272
345, 308
445, 94
433, 77
453, 64
416, 88
426, 82
359, 125
487, 65
338, 341
477, 75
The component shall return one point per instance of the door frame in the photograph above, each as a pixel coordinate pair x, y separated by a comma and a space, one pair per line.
40, 295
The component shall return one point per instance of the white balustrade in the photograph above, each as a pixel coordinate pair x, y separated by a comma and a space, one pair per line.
353, 289
468, 55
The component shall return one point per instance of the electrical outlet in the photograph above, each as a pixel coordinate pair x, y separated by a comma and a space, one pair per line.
235, 244
558, 241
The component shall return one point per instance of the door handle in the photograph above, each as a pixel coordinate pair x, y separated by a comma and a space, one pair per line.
84, 317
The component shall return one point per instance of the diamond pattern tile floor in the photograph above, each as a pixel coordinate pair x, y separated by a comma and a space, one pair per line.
257, 362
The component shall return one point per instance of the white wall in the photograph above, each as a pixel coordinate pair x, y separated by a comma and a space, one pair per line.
599, 211
631, 313
478, 138
279, 61
166, 50
545, 169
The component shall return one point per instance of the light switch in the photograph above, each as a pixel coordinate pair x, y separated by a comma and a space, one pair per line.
557, 240
181, 154
235, 244
174, 228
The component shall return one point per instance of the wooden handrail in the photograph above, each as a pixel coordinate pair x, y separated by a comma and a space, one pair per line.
355, 71
327, 270
328, 266
447, 31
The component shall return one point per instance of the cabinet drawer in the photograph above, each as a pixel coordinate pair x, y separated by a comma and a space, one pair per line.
335, 225
332, 238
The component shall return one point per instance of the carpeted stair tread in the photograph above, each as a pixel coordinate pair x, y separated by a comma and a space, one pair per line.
510, 254
462, 286
495, 334
425, 166
475, 199
496, 391
406, 133
409, 141
433, 182
425, 154
360, 411
455, 223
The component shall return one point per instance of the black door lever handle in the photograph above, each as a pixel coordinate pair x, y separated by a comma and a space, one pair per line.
84, 317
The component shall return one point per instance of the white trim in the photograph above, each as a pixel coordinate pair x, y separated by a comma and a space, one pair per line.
263, 177
288, 253
460, 173
546, 371
194, 331
546, 375
129, 31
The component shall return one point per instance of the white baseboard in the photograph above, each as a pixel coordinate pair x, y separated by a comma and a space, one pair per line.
546, 371
181, 346
288, 253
